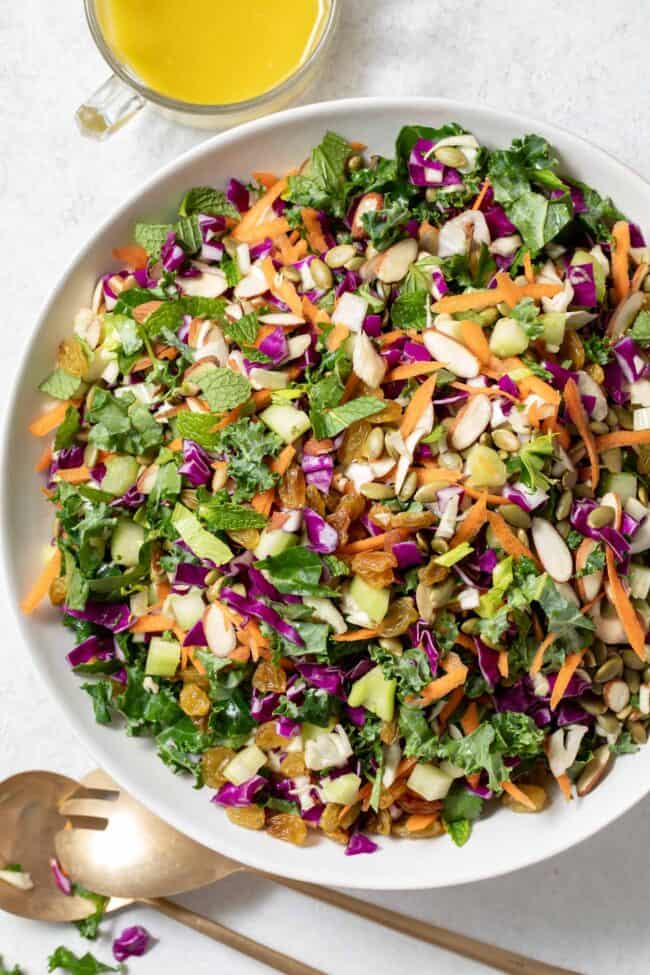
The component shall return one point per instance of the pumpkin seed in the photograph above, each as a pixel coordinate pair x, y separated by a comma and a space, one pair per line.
608, 724
563, 507
355, 263
485, 438
516, 516
522, 536
594, 770
583, 491
506, 440
597, 427
569, 480
469, 626
596, 372
601, 516
376, 491
600, 651
612, 668
409, 487
589, 660
439, 546
440, 595
625, 712
374, 445
631, 661
426, 494
291, 274
563, 527
637, 732
642, 494
321, 274
592, 705
632, 679
646, 675
337, 256
451, 460
451, 156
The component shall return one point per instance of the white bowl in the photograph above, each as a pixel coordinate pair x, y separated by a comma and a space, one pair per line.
503, 841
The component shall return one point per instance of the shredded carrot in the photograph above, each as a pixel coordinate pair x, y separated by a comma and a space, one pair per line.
478, 202
639, 276
538, 659
337, 337
620, 259
508, 540
565, 673
490, 498
351, 635
429, 475
474, 780
469, 721
471, 525
405, 767
41, 587
240, 654
528, 268
267, 180
389, 338
176, 444
352, 384
463, 640
263, 502
410, 369
314, 230
357, 146
577, 414
226, 420
622, 438
364, 544
317, 316
196, 663
44, 460
503, 663
419, 821
47, 422
153, 623
281, 463
314, 448
132, 255
419, 402
564, 783
73, 475
484, 391
257, 213
518, 795
290, 253
537, 386
624, 608
510, 293
473, 336
442, 686
451, 704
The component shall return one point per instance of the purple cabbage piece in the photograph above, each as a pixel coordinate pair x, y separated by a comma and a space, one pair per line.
356, 715
321, 536
439, 284
253, 607
61, 880
314, 814
263, 705
559, 375
487, 562
615, 383
94, 648
392, 354
287, 727
319, 470
275, 345
132, 943
416, 352
239, 795
577, 685
636, 236
583, 282
479, 790
349, 282
569, 712
528, 500
131, 499
191, 575
580, 512
238, 195
360, 843
508, 385
196, 637
196, 464
98, 472
407, 554
498, 223
630, 359
488, 661
372, 325
212, 251
578, 200
143, 278
262, 249
327, 678
68, 458
172, 254
360, 668
210, 225
422, 170
112, 616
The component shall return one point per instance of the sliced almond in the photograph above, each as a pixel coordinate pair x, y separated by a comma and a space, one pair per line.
281, 318
552, 550
616, 695
367, 204
458, 234
611, 500
471, 422
397, 260
594, 770
588, 586
147, 479
219, 634
209, 284
625, 315
253, 284
608, 626
350, 310
452, 354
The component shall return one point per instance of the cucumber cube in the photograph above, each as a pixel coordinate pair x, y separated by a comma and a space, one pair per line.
373, 602
121, 474
285, 420
163, 657
126, 542
374, 692
429, 782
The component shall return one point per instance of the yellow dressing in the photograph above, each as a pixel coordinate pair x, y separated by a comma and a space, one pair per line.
212, 51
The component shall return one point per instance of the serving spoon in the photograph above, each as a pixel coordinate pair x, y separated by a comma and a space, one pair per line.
117, 846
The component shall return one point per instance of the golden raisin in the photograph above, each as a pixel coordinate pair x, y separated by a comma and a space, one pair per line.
339, 836
353, 442
350, 508
350, 816
269, 677
71, 357
535, 793
643, 460
415, 806
315, 500
413, 520
287, 827
213, 762
401, 614
573, 349
247, 537
266, 737
375, 568
391, 413
293, 765
194, 701
250, 817
379, 822
391, 795
431, 573
388, 732
291, 489
58, 590
329, 820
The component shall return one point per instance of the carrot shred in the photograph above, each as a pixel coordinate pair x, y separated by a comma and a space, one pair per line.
508, 540
257, 213
314, 230
478, 202
290, 253
352, 635
577, 414
405, 767
639, 277
565, 673
537, 386
463, 640
281, 463
471, 525
469, 721
410, 369
419, 402
624, 608
267, 180
490, 498
317, 316
41, 587
44, 460
473, 336
263, 502
622, 438
73, 475
528, 268
428, 475
352, 384
509, 292
240, 654
416, 822
503, 663
132, 255
538, 659
364, 544
442, 686
564, 783
518, 795
455, 698
153, 623
620, 259
47, 422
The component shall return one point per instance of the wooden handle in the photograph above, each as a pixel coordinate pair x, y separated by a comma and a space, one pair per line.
460, 944
226, 936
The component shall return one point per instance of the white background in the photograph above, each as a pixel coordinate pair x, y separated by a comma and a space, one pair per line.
582, 64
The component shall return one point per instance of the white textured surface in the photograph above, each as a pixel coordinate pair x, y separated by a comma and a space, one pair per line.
581, 65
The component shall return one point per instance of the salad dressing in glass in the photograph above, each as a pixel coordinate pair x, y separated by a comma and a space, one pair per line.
212, 52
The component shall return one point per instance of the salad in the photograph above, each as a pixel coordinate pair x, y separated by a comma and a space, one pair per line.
350, 472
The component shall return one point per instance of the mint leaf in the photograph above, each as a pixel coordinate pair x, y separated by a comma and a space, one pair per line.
226, 516
460, 803
230, 268
14, 971
199, 307
244, 330
151, 236
205, 199
410, 310
168, 315
188, 234
224, 389
322, 184
296, 570
67, 430
198, 427
60, 384
333, 421
65, 960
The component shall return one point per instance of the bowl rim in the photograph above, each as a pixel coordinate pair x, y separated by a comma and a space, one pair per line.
331, 875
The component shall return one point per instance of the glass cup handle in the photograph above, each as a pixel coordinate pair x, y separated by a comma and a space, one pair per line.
109, 108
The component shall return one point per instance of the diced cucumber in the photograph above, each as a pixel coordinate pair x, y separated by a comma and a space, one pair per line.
373, 602
429, 782
554, 323
639, 579
244, 765
622, 484
285, 420
163, 657
584, 257
344, 790
273, 542
121, 474
188, 609
200, 540
374, 692
310, 732
126, 542
485, 468
508, 338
